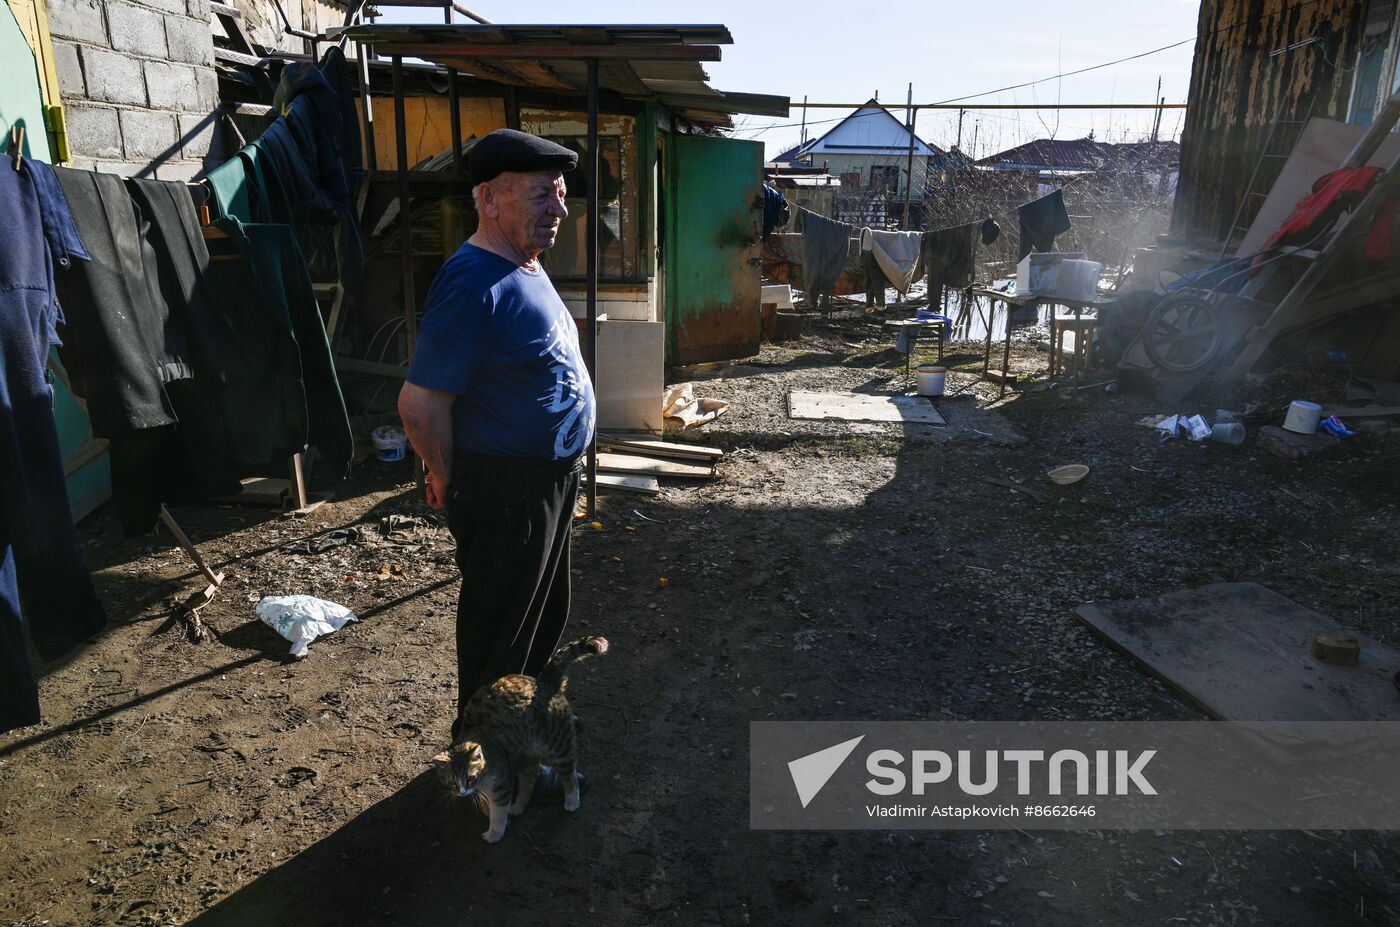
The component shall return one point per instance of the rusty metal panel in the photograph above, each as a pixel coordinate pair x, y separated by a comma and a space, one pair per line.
715, 215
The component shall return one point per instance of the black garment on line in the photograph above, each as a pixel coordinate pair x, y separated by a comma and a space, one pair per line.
875, 280
130, 353
121, 345
951, 256
1041, 221
513, 520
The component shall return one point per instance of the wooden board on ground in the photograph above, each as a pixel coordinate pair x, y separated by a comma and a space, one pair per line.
653, 466
262, 490
860, 407
1241, 652
632, 483
656, 448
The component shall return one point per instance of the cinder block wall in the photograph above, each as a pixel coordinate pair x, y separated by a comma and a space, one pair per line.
138, 83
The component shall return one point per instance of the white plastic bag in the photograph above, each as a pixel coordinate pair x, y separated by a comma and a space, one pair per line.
302, 618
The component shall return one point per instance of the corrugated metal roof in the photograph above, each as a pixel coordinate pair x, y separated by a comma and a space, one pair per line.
645, 62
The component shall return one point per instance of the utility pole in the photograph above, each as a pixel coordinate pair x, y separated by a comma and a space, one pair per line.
1157, 122
804, 119
958, 144
909, 169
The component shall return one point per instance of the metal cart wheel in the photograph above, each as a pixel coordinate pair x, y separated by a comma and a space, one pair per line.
1182, 334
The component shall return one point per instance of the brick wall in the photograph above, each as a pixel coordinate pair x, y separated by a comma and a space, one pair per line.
138, 83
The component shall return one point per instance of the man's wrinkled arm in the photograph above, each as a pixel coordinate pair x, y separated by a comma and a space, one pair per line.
427, 418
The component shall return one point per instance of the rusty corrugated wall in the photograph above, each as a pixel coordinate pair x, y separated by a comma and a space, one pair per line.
1237, 89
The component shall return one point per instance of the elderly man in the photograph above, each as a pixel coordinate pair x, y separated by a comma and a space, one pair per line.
499, 406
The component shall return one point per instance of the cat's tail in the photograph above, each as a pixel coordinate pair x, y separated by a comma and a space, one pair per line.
551, 678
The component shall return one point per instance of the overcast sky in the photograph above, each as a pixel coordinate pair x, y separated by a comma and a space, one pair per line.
848, 52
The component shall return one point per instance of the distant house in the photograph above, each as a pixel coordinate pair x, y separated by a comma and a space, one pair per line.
1151, 165
869, 152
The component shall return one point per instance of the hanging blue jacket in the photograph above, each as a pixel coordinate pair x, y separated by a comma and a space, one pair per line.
40, 562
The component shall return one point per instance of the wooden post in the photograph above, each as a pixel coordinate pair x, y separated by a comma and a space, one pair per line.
591, 250
410, 312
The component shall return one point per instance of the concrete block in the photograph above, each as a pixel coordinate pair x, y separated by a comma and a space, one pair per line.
167, 6
197, 134
149, 135
136, 29
123, 168
198, 9
113, 77
70, 69
77, 19
178, 170
190, 40
93, 131
170, 86
206, 90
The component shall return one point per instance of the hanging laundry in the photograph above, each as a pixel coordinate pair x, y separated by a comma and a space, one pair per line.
283, 288
897, 253
825, 247
951, 255
875, 280
1041, 221
775, 210
316, 155
121, 346
991, 231
40, 562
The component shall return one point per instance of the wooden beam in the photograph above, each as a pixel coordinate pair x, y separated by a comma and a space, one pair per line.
436, 51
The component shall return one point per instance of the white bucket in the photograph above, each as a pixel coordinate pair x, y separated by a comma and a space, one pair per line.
1302, 417
930, 379
389, 442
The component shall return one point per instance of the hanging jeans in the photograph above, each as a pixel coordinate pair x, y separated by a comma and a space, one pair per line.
40, 563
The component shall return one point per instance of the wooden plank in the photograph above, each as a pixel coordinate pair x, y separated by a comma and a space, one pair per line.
859, 407
630, 463
628, 483
659, 448
261, 490
1241, 652
436, 52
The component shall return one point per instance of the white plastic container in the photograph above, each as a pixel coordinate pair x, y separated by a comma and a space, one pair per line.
389, 442
1302, 417
930, 379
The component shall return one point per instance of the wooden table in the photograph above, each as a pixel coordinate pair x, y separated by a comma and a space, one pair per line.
1016, 301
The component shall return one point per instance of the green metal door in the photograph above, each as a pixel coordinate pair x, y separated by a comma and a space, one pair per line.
22, 103
714, 217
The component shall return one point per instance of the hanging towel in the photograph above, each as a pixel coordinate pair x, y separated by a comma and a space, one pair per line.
825, 244
897, 253
1041, 221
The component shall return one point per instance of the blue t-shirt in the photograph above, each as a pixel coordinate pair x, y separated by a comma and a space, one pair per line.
500, 337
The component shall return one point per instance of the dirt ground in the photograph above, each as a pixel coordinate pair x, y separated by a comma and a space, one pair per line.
831, 571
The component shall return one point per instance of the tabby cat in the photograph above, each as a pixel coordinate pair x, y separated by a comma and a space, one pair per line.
507, 730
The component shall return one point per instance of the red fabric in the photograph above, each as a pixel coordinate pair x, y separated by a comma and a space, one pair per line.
1334, 194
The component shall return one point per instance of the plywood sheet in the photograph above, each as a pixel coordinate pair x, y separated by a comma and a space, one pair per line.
631, 375
630, 463
860, 407
1320, 150
640, 483
1241, 652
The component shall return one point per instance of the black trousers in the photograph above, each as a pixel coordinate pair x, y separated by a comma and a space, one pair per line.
512, 520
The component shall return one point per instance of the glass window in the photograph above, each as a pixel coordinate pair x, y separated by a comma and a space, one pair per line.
568, 257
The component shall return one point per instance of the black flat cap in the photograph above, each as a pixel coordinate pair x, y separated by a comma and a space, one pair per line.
509, 150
